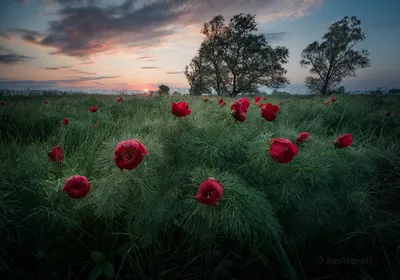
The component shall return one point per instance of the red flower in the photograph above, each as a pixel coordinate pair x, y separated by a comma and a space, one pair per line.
209, 192
223, 104
333, 99
282, 150
56, 154
128, 154
65, 121
120, 100
257, 100
343, 141
245, 102
281, 103
92, 109
303, 136
180, 109
239, 111
269, 112
388, 113
327, 103
76, 186
220, 101
46, 102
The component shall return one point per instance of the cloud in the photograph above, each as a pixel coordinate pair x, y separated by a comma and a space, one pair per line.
57, 68
144, 57
97, 83
149, 67
5, 35
83, 72
50, 83
9, 57
176, 72
275, 36
89, 27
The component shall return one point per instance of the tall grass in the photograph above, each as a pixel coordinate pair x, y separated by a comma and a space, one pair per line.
274, 220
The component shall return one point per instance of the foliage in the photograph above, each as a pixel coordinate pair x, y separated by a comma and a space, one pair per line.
273, 221
164, 89
334, 58
232, 59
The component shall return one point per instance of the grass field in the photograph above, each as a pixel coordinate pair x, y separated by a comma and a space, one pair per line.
328, 214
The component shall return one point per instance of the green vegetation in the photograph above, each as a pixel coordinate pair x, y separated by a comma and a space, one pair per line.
274, 221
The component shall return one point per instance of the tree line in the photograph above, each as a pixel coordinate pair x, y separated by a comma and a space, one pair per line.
234, 59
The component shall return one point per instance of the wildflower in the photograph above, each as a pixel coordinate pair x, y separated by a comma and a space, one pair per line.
209, 192
128, 154
303, 136
257, 100
238, 111
92, 109
119, 100
269, 111
76, 186
46, 102
65, 121
56, 154
343, 141
333, 99
282, 150
180, 109
245, 102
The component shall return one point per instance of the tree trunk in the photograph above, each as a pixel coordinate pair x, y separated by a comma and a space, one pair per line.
324, 88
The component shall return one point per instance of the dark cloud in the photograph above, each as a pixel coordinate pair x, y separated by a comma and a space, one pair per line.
83, 72
97, 83
9, 57
88, 27
50, 83
275, 36
57, 68
150, 67
4, 35
173, 73
145, 57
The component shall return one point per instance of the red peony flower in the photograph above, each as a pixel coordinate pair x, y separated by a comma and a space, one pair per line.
65, 121
388, 113
238, 111
282, 150
303, 136
281, 103
327, 103
119, 100
92, 109
344, 141
333, 99
46, 102
220, 101
76, 186
257, 100
128, 154
269, 112
56, 154
209, 192
245, 102
180, 109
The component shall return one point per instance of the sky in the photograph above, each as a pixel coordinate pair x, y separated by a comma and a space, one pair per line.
140, 44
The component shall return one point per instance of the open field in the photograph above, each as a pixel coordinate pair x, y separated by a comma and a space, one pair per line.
328, 214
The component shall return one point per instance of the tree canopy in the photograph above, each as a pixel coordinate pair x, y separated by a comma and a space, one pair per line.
164, 89
334, 58
233, 59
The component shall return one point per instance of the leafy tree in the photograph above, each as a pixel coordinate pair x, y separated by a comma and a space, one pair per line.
164, 89
232, 59
334, 58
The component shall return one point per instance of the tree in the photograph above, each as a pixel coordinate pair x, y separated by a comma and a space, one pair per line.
232, 59
334, 58
164, 89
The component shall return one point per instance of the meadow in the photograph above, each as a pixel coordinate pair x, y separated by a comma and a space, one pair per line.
329, 213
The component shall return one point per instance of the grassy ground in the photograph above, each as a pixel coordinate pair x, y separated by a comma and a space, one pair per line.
328, 214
